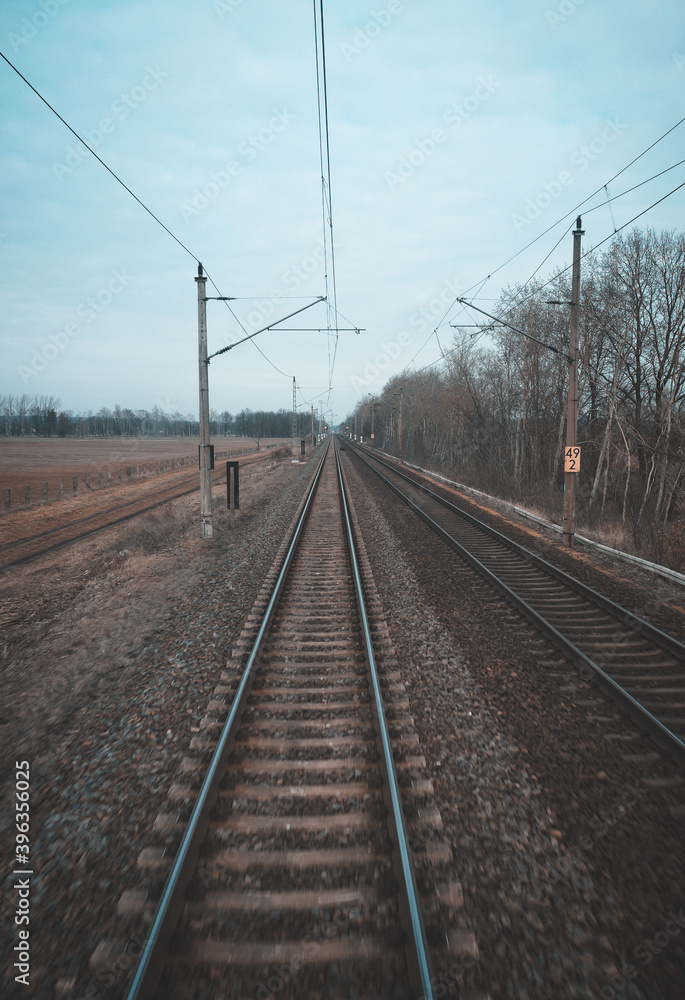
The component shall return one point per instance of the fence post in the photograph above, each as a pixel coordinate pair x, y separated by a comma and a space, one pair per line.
128, 470
109, 477
87, 480
99, 480
119, 475
137, 470
75, 484
61, 488
45, 490
27, 495
7, 499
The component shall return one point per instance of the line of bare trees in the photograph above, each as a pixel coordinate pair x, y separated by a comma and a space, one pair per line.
41, 416
493, 414
25, 414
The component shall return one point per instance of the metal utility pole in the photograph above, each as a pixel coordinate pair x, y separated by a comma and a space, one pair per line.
294, 428
313, 438
355, 425
572, 453
373, 414
399, 449
205, 451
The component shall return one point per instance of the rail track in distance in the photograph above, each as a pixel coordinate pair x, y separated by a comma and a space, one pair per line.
304, 875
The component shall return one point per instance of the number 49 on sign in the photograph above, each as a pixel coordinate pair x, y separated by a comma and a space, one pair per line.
572, 459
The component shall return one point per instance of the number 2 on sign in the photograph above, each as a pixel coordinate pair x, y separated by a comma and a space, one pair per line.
572, 459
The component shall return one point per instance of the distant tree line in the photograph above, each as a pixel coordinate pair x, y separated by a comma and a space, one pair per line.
42, 416
493, 413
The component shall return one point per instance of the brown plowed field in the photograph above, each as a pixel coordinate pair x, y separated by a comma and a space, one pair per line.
30, 531
33, 461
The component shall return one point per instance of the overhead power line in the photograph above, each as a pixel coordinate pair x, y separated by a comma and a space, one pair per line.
574, 211
140, 202
568, 268
325, 162
99, 159
633, 188
587, 211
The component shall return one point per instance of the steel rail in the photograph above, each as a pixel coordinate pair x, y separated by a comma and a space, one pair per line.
150, 965
419, 964
26, 539
659, 732
94, 494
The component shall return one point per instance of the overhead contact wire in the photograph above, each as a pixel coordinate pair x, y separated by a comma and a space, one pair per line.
573, 211
326, 196
569, 266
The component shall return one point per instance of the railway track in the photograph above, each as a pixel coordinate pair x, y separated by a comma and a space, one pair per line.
24, 549
640, 666
305, 883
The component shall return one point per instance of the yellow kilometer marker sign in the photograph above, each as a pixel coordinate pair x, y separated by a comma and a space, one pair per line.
572, 459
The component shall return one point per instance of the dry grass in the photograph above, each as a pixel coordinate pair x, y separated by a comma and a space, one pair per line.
163, 529
32, 461
666, 548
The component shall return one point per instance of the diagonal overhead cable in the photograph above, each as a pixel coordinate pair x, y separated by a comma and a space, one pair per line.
99, 158
136, 198
574, 211
555, 276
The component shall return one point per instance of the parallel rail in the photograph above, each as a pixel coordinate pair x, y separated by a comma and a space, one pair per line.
290, 818
23, 550
641, 666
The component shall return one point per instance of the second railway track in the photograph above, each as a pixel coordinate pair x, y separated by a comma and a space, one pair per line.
305, 873
642, 667
66, 531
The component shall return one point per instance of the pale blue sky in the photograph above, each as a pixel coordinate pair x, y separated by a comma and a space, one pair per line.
448, 121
